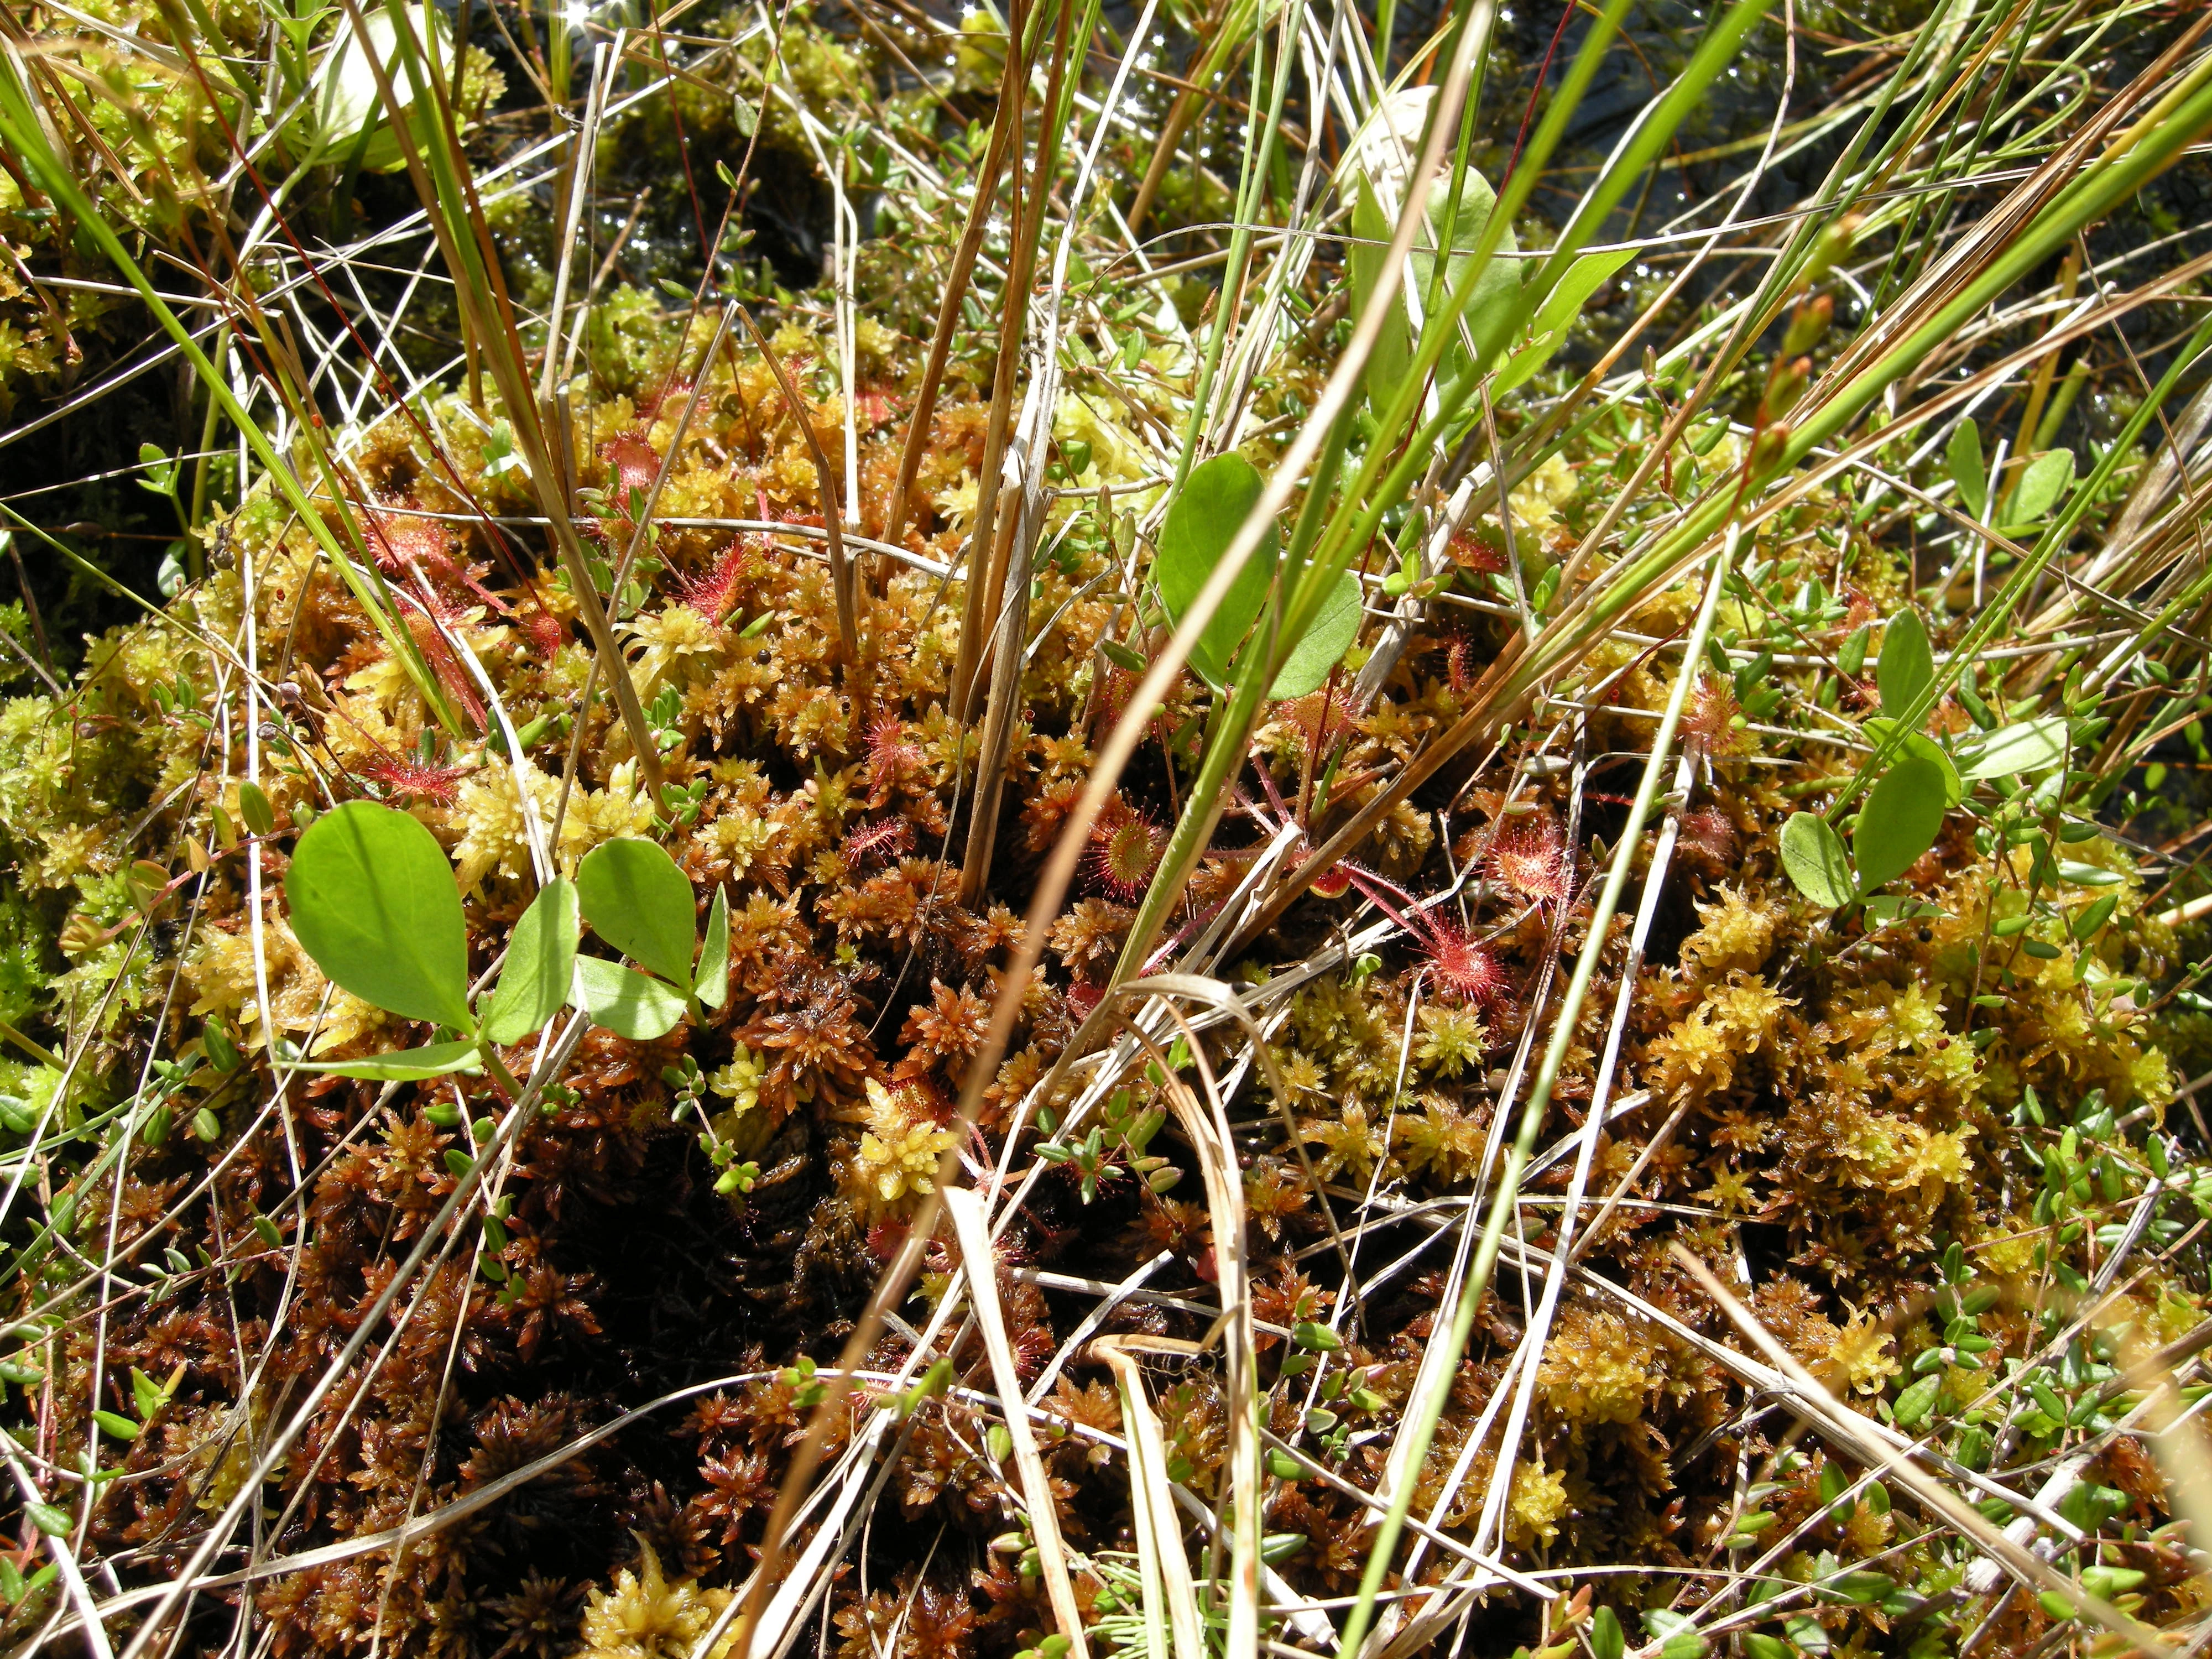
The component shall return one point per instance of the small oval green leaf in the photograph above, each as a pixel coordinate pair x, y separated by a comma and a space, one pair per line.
1334, 628
1813, 856
2041, 486
1202, 521
540, 954
640, 902
1902, 815
115, 1425
375, 903
1907, 664
2087, 926
253, 806
1607, 1640
1918, 1402
628, 1003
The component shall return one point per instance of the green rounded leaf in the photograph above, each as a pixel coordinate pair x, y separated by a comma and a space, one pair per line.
1902, 815
1334, 628
375, 903
628, 1003
1607, 1640
407, 1065
1202, 521
540, 955
2042, 484
1906, 665
1813, 856
640, 902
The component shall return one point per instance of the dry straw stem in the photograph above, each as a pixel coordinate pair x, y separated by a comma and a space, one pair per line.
978, 606
966, 1208
1213, 1140
1160, 1550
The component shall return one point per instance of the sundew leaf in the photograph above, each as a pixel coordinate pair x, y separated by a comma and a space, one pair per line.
1334, 628
535, 982
2047, 478
628, 1003
1202, 521
2026, 746
1969, 471
375, 904
1813, 856
1902, 816
1907, 664
640, 902
712, 983
407, 1065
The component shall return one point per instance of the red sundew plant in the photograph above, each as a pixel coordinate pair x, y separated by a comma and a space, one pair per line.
1461, 966
546, 632
406, 541
1126, 847
415, 779
712, 592
1527, 856
428, 620
1708, 830
893, 757
885, 841
632, 464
